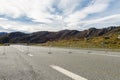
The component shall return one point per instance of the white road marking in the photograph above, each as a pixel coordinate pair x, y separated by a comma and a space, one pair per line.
30, 55
68, 73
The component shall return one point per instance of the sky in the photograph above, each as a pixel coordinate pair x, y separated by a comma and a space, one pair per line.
55, 15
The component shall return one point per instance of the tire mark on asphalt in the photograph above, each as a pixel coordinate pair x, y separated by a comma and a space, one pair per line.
35, 75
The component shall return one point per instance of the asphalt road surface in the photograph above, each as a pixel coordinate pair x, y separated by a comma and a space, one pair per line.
18, 62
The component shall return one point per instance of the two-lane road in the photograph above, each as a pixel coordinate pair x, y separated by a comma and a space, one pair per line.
36, 63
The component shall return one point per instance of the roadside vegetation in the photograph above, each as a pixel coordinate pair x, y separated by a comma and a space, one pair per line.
1, 44
109, 42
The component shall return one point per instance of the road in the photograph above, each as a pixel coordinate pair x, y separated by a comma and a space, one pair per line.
18, 62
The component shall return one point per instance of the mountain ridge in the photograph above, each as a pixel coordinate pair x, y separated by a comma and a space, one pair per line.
45, 36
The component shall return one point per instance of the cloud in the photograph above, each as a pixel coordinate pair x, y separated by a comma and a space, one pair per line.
10, 26
52, 15
109, 19
36, 9
68, 6
112, 20
94, 7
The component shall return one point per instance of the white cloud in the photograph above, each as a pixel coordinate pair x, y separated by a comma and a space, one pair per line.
9, 26
41, 11
36, 9
68, 6
94, 7
112, 20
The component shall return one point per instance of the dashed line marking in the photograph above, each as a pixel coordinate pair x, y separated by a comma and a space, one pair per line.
30, 55
68, 73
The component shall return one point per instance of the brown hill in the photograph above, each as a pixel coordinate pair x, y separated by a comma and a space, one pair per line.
44, 36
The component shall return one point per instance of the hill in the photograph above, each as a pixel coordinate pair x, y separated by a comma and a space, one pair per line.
66, 37
3, 33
